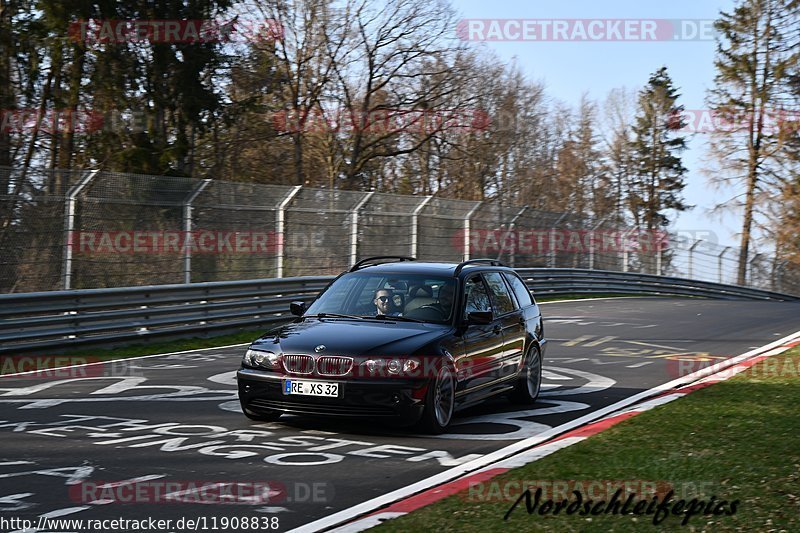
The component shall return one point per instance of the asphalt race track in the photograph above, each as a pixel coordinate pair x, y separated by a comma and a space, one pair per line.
166, 425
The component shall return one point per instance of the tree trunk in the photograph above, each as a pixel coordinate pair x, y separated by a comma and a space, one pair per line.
73, 99
6, 89
747, 225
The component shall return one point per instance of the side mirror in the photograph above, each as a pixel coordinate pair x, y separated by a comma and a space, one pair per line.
297, 308
480, 317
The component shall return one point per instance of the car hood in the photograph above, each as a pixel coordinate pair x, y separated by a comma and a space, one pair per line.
351, 337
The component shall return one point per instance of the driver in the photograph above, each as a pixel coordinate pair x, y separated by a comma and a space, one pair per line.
384, 304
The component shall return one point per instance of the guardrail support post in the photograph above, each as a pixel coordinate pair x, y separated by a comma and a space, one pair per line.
719, 263
467, 243
354, 227
415, 225
69, 227
187, 229
280, 219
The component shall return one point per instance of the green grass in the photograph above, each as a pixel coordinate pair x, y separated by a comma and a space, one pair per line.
736, 440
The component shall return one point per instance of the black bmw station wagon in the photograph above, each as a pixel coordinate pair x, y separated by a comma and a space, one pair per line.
401, 339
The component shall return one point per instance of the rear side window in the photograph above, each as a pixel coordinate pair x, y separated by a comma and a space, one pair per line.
501, 299
520, 290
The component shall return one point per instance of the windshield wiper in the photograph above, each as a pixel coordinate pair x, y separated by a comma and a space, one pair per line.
332, 315
398, 318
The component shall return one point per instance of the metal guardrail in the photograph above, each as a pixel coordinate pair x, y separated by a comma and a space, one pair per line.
66, 319
565, 281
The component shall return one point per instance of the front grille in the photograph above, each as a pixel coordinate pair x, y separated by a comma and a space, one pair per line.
330, 365
298, 364
314, 408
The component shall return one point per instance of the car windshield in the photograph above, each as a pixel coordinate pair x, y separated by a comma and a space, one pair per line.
406, 297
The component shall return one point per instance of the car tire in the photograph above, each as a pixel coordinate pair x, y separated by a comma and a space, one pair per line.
529, 382
261, 416
440, 402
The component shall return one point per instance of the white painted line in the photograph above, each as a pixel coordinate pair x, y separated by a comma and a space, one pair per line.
590, 299
368, 522
130, 481
649, 404
369, 506
537, 453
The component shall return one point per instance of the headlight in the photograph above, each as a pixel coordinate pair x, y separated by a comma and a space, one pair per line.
374, 366
261, 359
410, 365
391, 367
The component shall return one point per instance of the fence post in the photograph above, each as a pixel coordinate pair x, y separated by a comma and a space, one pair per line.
69, 227
777, 282
552, 241
415, 225
280, 219
625, 255
691, 257
719, 263
753, 260
354, 227
187, 228
659, 256
591, 242
467, 230
512, 254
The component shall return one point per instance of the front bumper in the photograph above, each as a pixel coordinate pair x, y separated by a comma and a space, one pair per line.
261, 392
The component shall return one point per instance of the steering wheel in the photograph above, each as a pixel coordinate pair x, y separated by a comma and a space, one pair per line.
434, 308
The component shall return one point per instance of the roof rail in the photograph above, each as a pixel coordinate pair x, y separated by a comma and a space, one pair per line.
492, 262
369, 261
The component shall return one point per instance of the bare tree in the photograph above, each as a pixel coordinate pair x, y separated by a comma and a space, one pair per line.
753, 62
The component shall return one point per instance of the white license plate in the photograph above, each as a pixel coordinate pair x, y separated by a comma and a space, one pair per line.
310, 388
